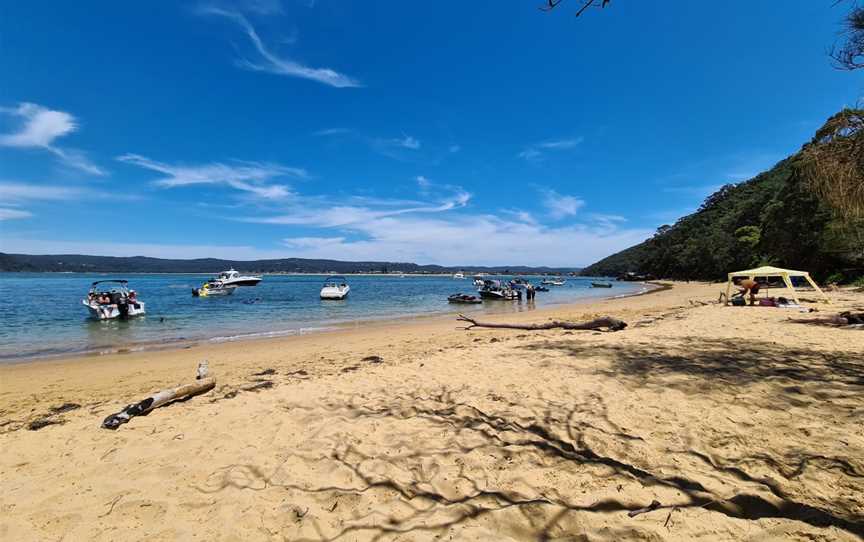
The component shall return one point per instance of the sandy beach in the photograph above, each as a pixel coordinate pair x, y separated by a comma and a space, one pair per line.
740, 423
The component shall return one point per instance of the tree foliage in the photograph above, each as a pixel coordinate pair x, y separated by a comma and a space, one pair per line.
833, 163
797, 215
850, 54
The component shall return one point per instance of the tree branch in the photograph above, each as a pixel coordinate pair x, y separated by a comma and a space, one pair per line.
612, 324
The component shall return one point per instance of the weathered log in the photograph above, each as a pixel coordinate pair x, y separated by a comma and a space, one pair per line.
613, 324
202, 384
650, 508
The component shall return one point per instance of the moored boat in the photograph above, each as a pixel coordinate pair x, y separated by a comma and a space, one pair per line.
213, 288
464, 299
553, 282
234, 278
495, 289
335, 287
601, 285
118, 301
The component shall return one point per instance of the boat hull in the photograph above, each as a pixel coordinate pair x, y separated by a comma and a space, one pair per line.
112, 312
334, 293
498, 295
464, 299
212, 292
243, 282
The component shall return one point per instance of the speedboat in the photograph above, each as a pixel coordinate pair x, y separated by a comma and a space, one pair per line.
459, 275
335, 287
464, 299
601, 284
213, 288
495, 289
234, 278
553, 282
117, 301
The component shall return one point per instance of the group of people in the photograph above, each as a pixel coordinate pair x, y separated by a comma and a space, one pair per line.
519, 285
104, 298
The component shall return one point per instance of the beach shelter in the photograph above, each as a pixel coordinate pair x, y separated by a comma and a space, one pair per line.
768, 271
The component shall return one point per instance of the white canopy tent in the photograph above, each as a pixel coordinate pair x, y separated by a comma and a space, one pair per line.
768, 271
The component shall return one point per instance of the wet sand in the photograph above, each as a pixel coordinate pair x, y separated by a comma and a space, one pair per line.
742, 423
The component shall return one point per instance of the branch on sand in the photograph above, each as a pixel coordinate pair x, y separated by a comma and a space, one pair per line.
607, 322
203, 383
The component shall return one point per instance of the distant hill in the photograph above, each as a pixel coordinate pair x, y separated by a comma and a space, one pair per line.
78, 263
774, 218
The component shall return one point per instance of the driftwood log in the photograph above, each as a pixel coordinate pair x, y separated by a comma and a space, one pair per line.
203, 383
607, 322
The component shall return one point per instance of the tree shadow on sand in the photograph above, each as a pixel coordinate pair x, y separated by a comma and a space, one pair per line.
720, 363
448, 461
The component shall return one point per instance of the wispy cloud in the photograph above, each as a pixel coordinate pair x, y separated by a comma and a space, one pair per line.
331, 132
40, 127
305, 243
560, 205
349, 216
442, 229
12, 214
537, 150
250, 177
16, 192
399, 148
270, 62
466, 239
406, 142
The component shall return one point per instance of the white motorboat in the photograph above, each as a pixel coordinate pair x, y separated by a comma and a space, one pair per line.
459, 275
553, 282
234, 278
213, 288
335, 287
496, 289
115, 301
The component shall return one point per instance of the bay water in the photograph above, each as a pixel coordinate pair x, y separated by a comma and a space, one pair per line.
42, 314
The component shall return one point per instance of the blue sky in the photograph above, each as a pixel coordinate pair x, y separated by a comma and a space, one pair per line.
434, 132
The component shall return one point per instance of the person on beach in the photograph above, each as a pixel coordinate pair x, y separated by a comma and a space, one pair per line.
750, 286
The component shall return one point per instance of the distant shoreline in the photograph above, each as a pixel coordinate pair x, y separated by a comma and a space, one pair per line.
278, 274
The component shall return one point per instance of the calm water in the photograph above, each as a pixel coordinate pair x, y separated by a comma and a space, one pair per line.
42, 313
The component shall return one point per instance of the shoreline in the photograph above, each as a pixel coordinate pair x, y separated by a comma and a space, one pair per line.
325, 328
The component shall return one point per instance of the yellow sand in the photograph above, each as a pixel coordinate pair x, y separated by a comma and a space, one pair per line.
743, 423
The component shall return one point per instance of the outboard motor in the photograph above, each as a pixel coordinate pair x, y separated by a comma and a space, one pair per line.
123, 308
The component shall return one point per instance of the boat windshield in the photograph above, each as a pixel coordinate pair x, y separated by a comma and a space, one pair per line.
336, 281
109, 286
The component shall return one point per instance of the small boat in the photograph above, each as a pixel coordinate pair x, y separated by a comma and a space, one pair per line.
495, 289
553, 282
234, 278
213, 288
464, 299
459, 275
601, 285
117, 301
335, 287
541, 289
